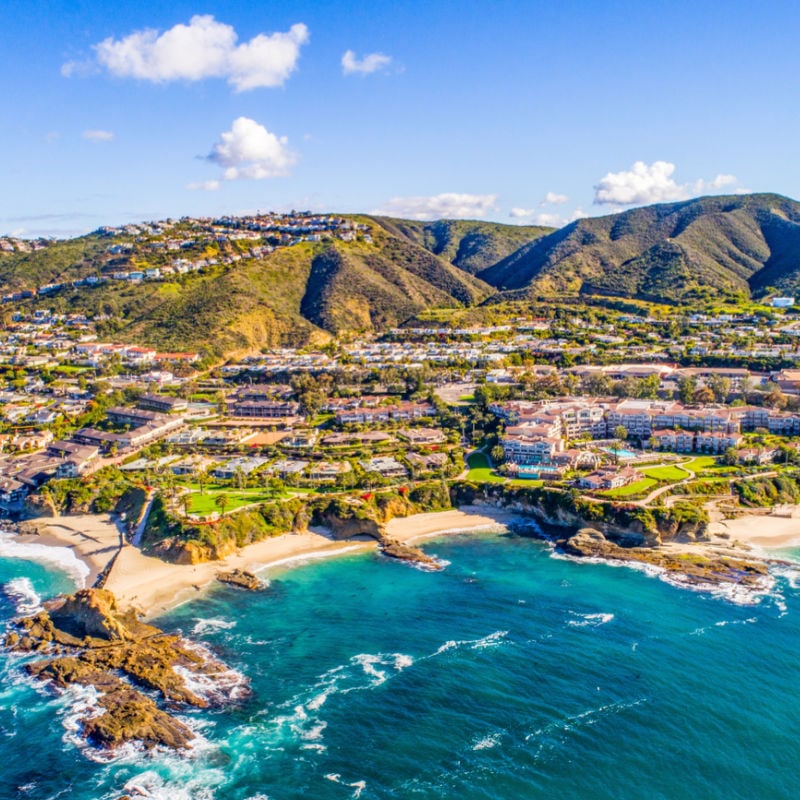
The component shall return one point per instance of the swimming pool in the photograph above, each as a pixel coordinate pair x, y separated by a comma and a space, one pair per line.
621, 453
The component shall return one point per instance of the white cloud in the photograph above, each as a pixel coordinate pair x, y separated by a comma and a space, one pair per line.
449, 205
640, 185
372, 62
98, 136
720, 182
652, 183
249, 150
202, 49
205, 186
554, 199
549, 219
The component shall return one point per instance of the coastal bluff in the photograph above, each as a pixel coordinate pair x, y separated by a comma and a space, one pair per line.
140, 675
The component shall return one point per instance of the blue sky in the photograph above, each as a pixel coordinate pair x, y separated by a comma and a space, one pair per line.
511, 111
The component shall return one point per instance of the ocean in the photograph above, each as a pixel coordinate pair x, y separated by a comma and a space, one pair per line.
509, 674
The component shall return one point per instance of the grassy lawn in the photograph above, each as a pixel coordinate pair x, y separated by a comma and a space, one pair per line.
638, 487
527, 482
668, 474
702, 463
467, 398
479, 470
204, 503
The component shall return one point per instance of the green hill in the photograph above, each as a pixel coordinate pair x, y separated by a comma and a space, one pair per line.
735, 245
292, 295
470, 245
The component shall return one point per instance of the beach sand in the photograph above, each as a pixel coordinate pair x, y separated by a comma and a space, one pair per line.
152, 586
438, 523
94, 538
761, 530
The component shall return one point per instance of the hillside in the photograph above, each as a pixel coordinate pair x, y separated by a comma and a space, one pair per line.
236, 295
734, 245
470, 245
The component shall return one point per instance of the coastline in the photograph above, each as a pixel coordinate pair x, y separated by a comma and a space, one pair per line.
152, 586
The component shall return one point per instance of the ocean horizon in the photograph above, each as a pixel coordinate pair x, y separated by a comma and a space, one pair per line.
508, 674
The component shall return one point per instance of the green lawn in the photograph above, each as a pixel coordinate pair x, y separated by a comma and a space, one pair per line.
479, 470
667, 474
702, 463
204, 503
638, 487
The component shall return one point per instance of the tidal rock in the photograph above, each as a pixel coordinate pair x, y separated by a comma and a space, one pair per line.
403, 552
242, 579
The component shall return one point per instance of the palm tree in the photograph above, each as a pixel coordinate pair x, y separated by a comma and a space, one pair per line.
221, 502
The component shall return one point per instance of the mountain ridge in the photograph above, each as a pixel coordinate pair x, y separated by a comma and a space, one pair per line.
247, 288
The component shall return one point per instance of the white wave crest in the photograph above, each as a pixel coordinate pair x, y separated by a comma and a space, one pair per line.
358, 786
589, 620
492, 640
61, 558
488, 742
222, 686
204, 625
25, 598
181, 784
303, 722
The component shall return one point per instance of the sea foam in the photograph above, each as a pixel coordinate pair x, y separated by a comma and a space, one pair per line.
25, 598
61, 558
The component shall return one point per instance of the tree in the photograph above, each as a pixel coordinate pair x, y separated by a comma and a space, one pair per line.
746, 385
221, 502
687, 386
202, 480
497, 454
730, 457
186, 502
240, 478
720, 386
775, 398
703, 395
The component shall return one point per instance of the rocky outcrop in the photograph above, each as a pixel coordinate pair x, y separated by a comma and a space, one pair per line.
692, 568
403, 552
93, 613
90, 643
242, 579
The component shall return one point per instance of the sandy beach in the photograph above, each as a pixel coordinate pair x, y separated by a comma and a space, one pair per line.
153, 586
94, 538
781, 529
467, 518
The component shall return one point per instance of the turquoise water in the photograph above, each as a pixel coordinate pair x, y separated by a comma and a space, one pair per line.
511, 674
